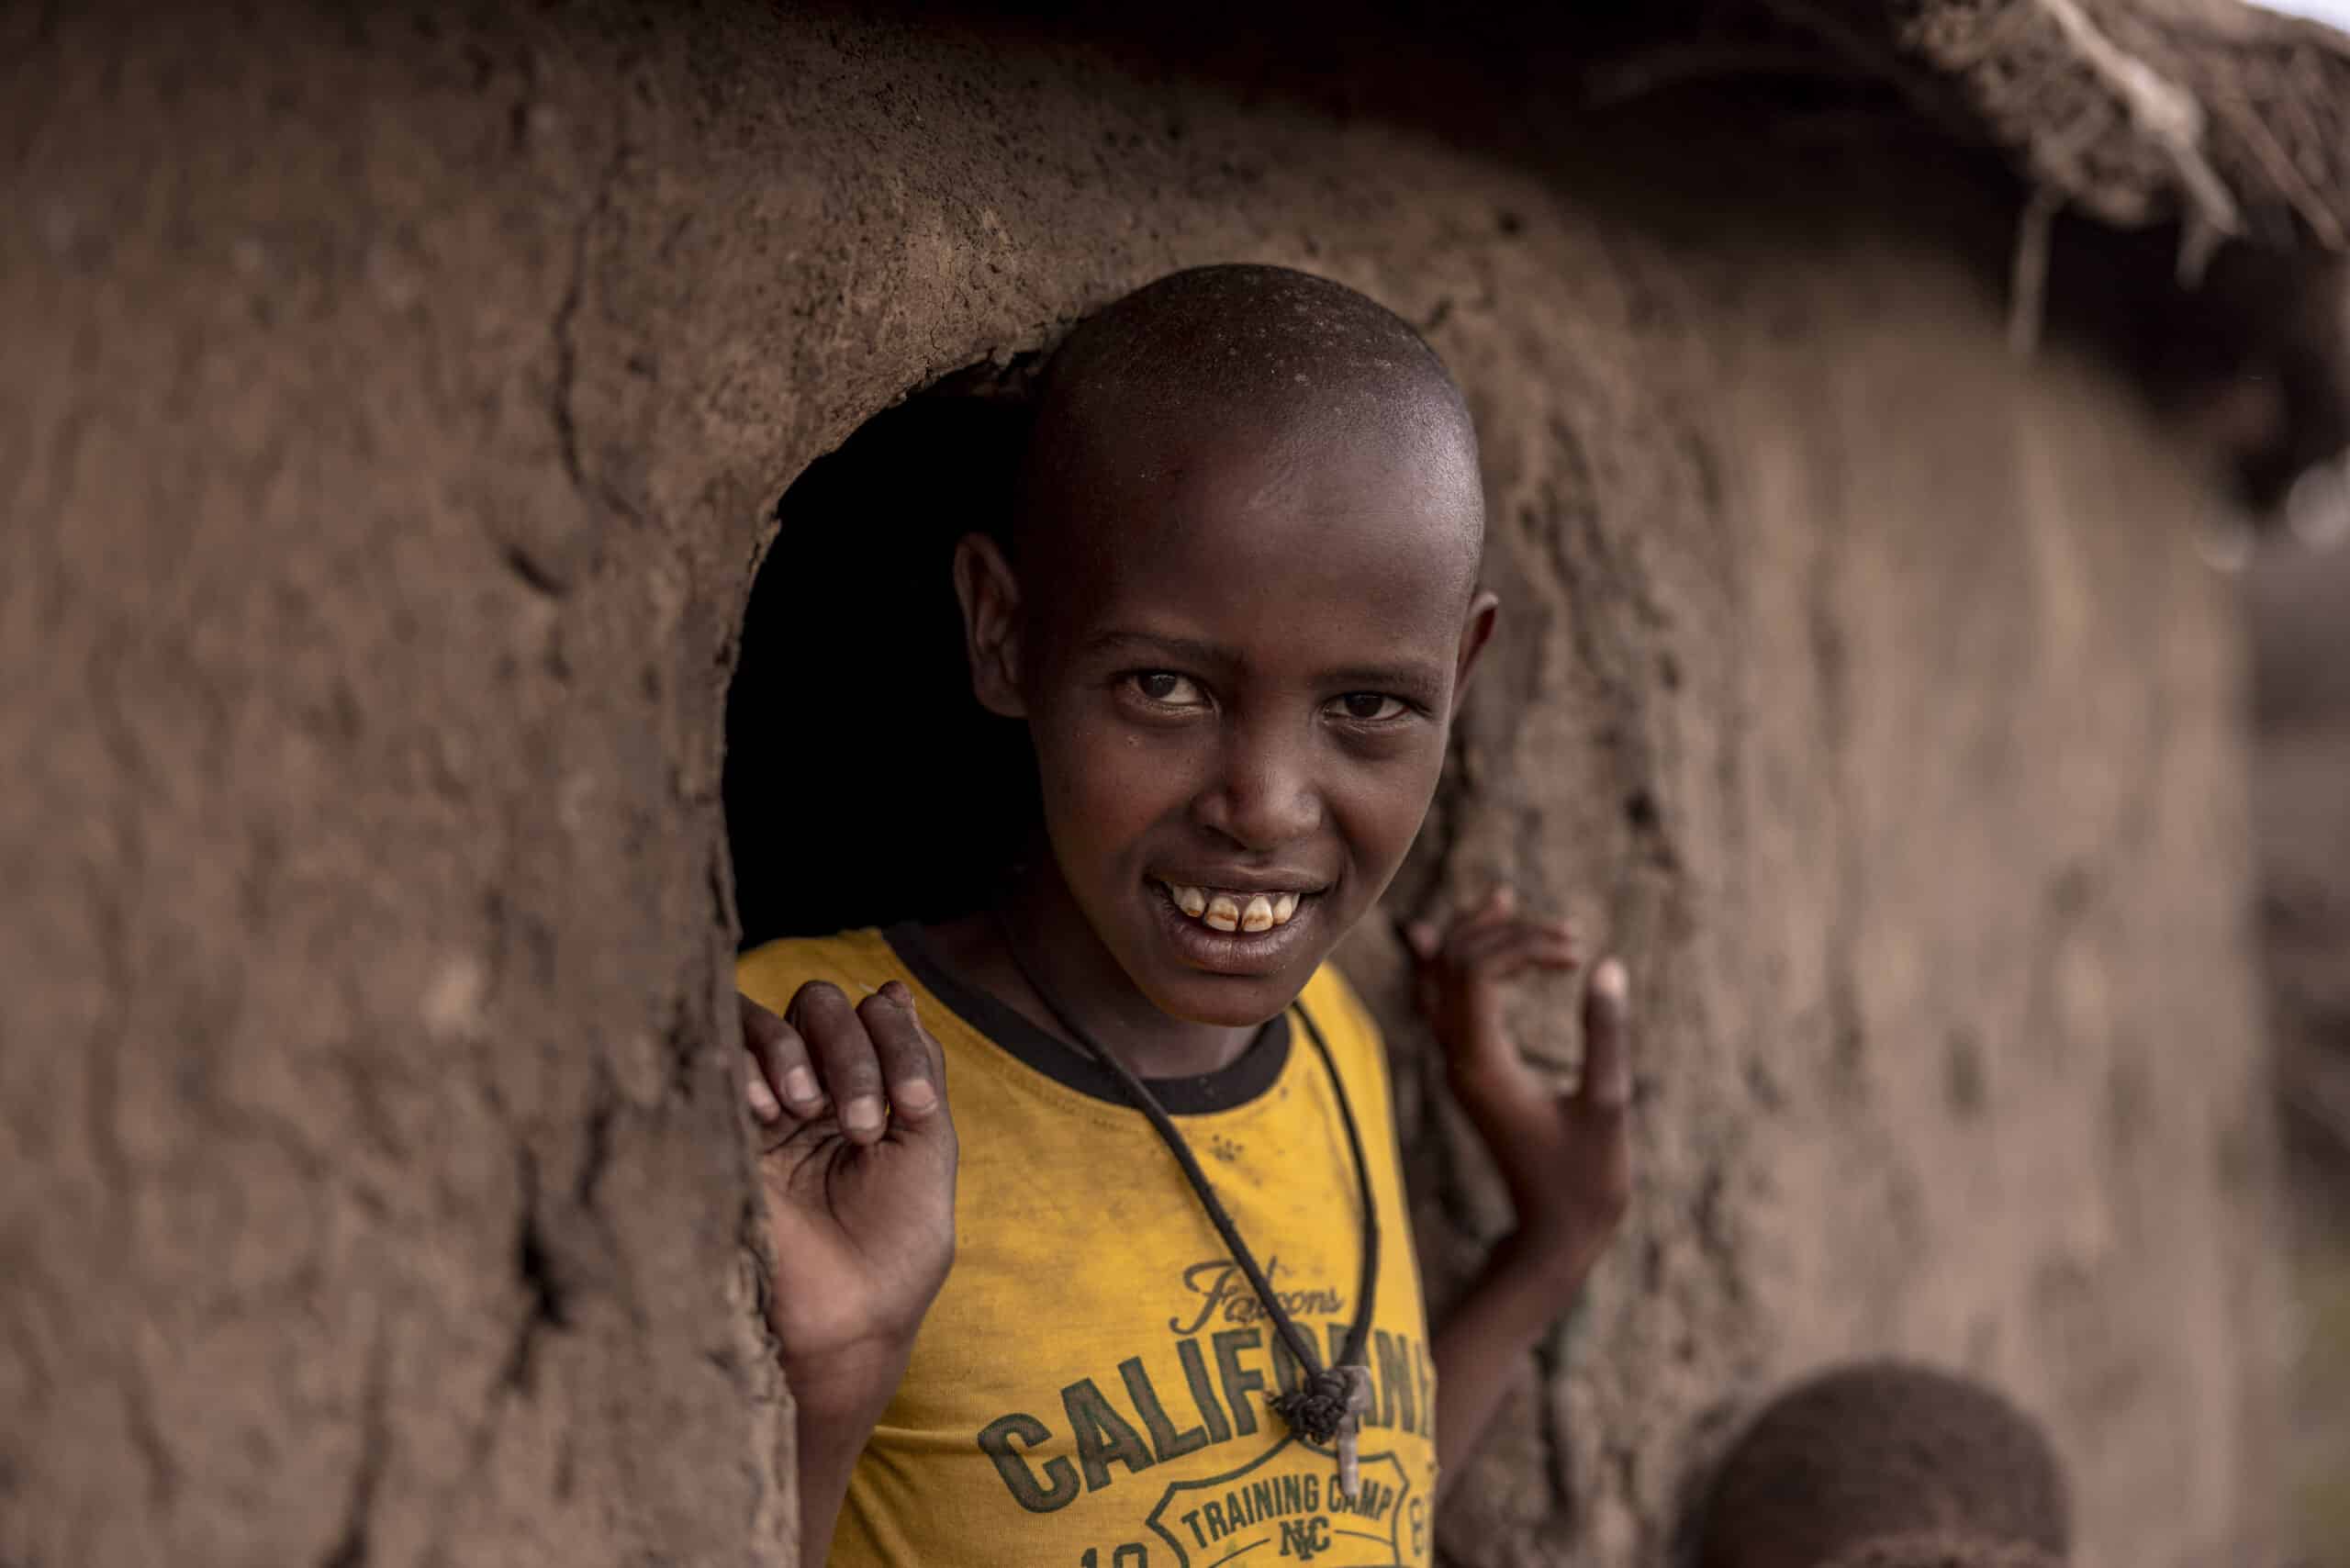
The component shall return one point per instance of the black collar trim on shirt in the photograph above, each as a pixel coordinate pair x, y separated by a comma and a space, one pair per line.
1226, 1088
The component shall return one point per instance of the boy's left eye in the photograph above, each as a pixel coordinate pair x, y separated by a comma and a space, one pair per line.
1371, 707
1165, 688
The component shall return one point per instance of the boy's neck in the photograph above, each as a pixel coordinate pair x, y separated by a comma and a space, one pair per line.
1058, 946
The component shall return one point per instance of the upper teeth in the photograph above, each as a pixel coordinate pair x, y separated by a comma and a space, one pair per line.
1235, 912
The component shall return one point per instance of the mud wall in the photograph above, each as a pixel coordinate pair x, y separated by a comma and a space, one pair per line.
394, 407
2298, 611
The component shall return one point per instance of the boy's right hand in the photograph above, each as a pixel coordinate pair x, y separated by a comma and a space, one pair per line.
858, 1171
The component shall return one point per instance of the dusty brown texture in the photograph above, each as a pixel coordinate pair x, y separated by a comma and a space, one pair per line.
2297, 608
2217, 114
1943, 1552
1829, 711
393, 412
373, 1192
1880, 1450
2218, 129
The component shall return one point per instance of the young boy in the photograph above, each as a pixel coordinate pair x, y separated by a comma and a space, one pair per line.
1182, 1321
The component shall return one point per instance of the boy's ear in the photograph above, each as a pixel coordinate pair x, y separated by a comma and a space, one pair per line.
1484, 613
991, 598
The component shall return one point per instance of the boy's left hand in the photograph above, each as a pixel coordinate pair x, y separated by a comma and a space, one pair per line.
1565, 1157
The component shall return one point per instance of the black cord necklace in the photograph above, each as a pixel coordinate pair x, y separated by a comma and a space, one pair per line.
1327, 1399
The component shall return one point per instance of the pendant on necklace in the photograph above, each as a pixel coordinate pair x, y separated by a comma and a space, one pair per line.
1350, 1426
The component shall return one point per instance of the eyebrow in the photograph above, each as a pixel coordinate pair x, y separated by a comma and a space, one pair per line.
1407, 680
1189, 648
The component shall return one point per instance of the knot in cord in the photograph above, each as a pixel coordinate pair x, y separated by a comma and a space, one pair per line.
1316, 1406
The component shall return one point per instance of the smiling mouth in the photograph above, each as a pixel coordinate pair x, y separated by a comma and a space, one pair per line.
1229, 910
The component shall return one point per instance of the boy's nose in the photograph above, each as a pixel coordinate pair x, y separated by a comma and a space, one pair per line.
1263, 797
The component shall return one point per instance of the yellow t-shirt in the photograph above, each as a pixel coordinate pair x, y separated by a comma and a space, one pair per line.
1089, 1389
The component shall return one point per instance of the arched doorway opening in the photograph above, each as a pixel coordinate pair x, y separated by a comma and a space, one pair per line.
863, 783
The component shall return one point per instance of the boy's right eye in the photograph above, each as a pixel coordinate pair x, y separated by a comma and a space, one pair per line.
1165, 688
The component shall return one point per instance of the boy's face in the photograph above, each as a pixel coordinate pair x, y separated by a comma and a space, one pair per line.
1238, 666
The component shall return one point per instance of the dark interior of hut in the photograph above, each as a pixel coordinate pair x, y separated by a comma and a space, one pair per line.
867, 726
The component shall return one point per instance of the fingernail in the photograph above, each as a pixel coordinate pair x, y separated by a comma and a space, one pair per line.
862, 1114
762, 1103
903, 995
799, 1087
1610, 981
914, 1095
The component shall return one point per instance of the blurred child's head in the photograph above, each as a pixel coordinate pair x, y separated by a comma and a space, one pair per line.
1889, 1464
1237, 611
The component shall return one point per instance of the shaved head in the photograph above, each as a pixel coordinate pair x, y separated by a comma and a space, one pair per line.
1164, 382
1237, 616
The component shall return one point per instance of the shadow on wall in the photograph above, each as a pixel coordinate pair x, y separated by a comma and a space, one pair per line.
864, 784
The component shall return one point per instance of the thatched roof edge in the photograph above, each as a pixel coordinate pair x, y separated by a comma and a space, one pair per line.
2232, 120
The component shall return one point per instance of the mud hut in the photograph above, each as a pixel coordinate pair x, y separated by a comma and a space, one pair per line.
398, 403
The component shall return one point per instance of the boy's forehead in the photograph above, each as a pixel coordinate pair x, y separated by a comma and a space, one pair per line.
1237, 508
1246, 422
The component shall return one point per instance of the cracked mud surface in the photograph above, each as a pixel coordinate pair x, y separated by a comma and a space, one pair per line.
393, 416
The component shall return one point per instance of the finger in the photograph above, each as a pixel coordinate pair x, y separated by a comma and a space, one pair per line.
1521, 950
1424, 939
1490, 931
783, 1079
845, 1057
1607, 1086
1479, 947
1479, 1045
764, 1104
908, 1063
757, 1032
1499, 903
